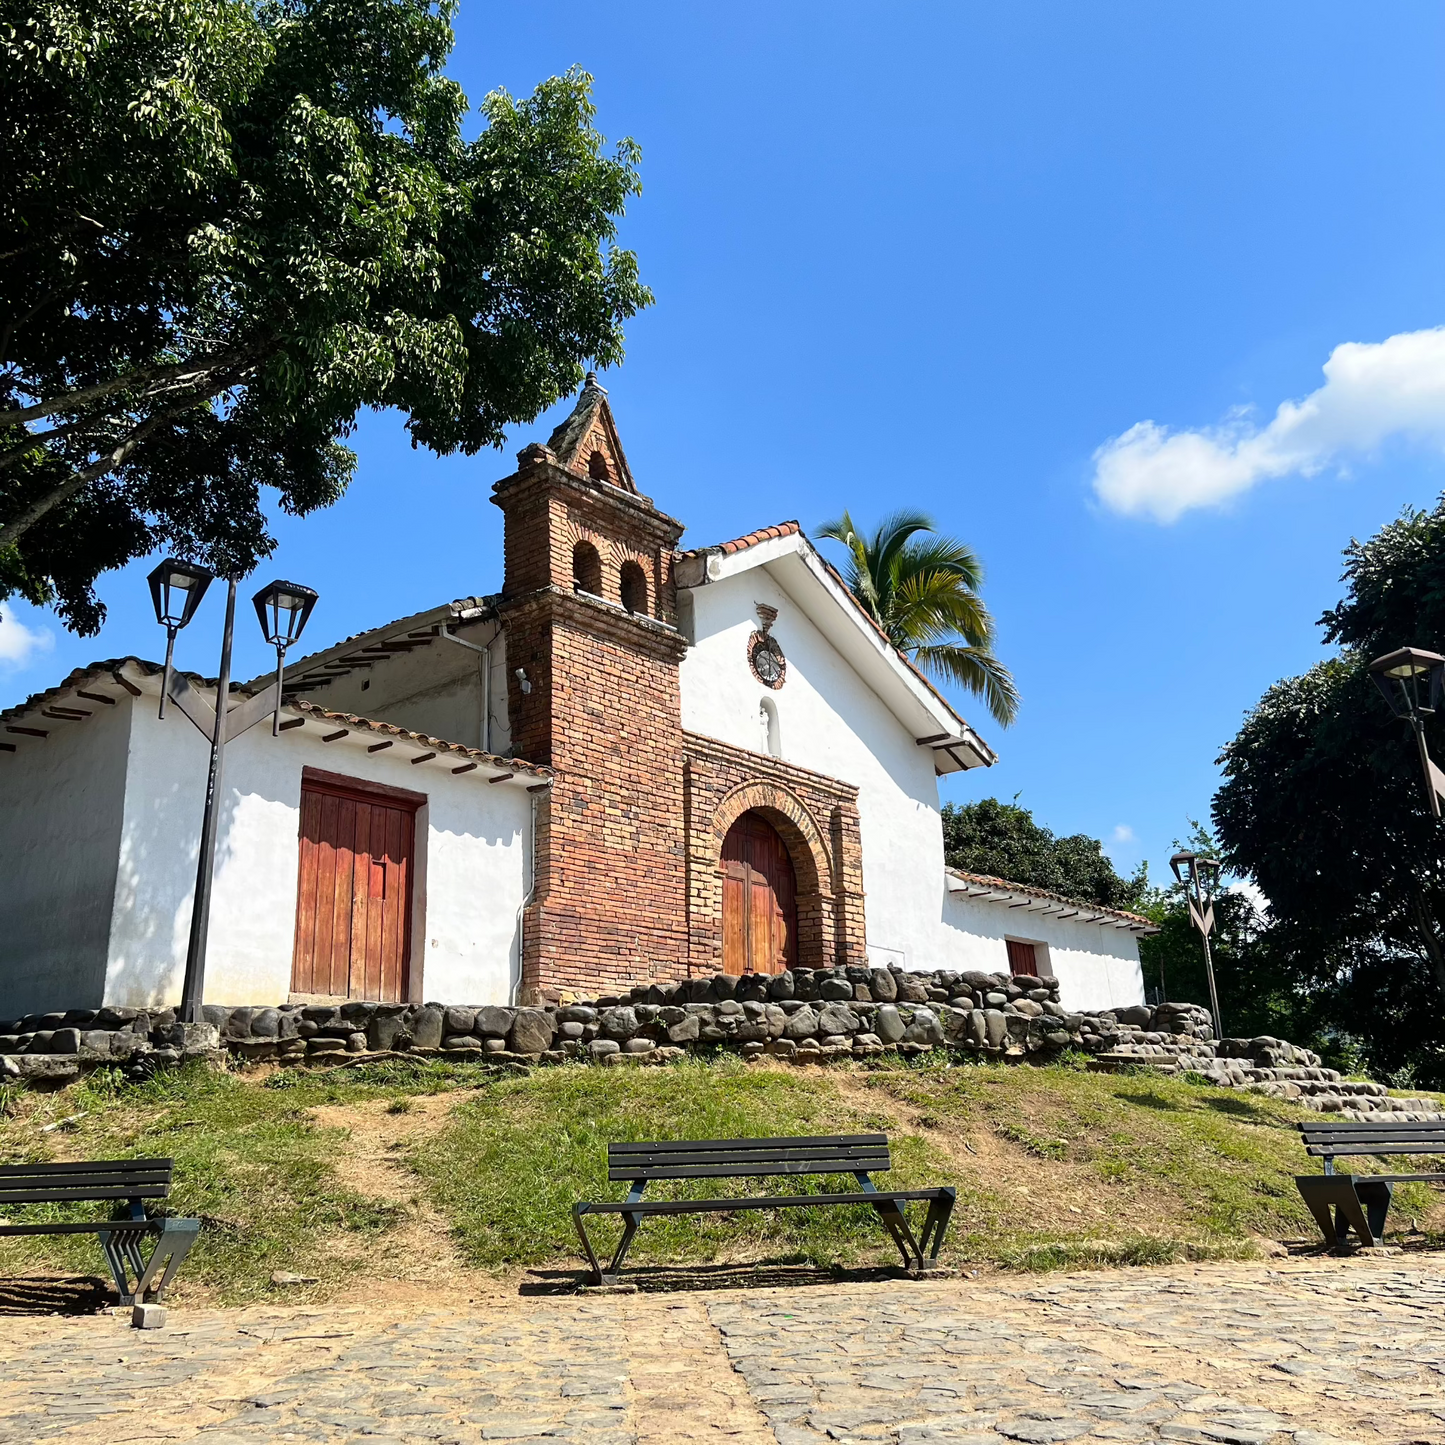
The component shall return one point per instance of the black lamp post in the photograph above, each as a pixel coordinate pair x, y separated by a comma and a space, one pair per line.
282, 608
1200, 877
177, 589
1412, 681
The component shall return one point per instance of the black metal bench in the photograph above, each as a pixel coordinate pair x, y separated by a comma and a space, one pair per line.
127, 1181
1361, 1201
857, 1154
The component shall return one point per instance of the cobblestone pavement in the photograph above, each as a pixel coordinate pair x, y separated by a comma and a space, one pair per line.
1210, 1355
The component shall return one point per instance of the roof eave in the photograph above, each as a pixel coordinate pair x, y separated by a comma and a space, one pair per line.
793, 562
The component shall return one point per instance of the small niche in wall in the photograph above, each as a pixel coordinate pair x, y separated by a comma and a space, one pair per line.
770, 732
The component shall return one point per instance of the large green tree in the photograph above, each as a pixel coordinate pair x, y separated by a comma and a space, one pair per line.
1323, 806
228, 225
1003, 841
924, 592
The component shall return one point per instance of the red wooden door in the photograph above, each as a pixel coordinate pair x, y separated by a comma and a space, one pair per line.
760, 913
353, 904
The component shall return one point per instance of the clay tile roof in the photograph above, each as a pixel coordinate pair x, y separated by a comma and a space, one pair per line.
366, 724
97, 671
741, 544
987, 880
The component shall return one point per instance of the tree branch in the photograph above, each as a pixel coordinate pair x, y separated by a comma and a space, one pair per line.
146, 375
11, 327
16, 528
44, 241
41, 438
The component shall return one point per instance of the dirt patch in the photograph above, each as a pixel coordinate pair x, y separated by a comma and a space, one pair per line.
419, 1250
1029, 1194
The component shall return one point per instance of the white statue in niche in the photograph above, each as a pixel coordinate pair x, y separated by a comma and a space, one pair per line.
770, 740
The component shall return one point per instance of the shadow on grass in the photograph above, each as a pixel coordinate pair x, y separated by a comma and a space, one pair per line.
703, 1278
1240, 1108
54, 1295
1150, 1101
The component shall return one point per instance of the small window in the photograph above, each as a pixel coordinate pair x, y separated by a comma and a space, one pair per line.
597, 468
1022, 958
771, 734
634, 587
587, 569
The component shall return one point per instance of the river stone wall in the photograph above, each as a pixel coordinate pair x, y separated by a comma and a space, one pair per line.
802, 1014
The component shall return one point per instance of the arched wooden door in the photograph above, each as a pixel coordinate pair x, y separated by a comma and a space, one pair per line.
760, 911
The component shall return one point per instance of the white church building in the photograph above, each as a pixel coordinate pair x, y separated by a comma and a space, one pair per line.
632, 764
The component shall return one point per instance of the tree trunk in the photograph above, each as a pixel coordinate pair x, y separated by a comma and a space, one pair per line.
1434, 948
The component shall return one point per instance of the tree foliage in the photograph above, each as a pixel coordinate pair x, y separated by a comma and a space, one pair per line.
1323, 806
1003, 841
924, 594
228, 225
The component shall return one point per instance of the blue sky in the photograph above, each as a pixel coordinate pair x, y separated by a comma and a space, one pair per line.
938, 255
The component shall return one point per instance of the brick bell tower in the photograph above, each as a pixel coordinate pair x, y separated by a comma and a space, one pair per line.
590, 613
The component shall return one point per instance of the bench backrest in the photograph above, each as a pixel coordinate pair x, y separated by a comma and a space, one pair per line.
738, 1158
94, 1179
1346, 1136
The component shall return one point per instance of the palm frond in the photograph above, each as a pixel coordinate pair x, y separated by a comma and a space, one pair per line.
859, 576
941, 554
889, 541
932, 607
979, 671
924, 593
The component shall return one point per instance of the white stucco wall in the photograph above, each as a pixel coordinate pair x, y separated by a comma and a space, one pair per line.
472, 850
60, 827
436, 689
1097, 965
830, 720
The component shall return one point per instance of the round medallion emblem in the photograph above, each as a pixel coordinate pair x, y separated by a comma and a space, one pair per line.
765, 657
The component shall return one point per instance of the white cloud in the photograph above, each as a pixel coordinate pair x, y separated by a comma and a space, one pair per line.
19, 643
1251, 891
1122, 833
1372, 391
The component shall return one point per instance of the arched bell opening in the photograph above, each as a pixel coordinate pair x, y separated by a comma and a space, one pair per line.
587, 569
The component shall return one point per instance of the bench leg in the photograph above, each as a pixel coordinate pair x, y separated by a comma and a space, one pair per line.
593, 1264
940, 1211
1374, 1196
123, 1254
173, 1245
629, 1230
1348, 1196
896, 1222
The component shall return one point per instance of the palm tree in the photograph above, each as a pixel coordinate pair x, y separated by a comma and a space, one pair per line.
924, 595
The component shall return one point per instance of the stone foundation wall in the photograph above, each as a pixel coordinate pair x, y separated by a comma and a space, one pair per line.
803, 1015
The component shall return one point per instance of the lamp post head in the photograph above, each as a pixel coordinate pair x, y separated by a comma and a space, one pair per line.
283, 608
176, 589
1196, 871
1410, 680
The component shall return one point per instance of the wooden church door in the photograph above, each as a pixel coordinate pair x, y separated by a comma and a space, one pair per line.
760, 914
353, 904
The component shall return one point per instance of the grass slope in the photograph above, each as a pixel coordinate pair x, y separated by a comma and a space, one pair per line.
1054, 1166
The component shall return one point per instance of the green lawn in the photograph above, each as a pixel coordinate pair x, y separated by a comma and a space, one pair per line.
1055, 1166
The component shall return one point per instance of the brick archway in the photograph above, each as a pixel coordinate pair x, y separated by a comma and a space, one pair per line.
817, 819
808, 852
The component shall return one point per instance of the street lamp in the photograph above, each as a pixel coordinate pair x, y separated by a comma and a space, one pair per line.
282, 608
1411, 681
1200, 877
177, 589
